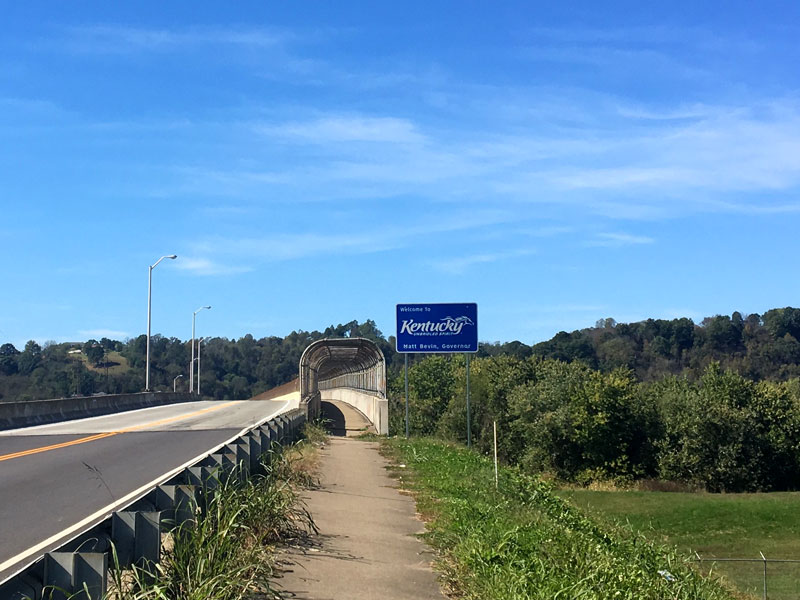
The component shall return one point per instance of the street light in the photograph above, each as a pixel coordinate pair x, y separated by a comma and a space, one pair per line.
149, 304
199, 342
191, 364
175, 382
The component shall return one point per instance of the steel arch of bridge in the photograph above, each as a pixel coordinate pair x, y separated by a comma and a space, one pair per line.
351, 363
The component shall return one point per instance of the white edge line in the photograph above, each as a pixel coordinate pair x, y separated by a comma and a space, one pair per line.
103, 513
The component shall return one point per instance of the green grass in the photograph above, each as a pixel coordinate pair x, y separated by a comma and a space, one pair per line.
117, 363
524, 542
714, 525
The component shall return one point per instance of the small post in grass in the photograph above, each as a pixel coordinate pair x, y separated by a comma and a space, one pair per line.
494, 427
764, 558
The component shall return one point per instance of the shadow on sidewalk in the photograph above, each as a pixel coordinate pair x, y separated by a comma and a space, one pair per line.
335, 419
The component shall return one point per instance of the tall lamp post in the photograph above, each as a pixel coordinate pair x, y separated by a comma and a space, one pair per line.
175, 383
149, 305
199, 342
191, 364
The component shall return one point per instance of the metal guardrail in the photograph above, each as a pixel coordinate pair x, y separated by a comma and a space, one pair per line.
79, 568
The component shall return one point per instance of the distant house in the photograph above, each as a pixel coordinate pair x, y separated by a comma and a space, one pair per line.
76, 351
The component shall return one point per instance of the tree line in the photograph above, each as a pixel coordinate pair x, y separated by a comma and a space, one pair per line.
756, 346
719, 432
230, 368
715, 404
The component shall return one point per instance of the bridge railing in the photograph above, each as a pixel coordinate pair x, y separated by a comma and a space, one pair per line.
135, 532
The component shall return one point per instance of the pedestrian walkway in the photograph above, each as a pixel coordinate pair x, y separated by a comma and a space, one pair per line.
366, 548
343, 419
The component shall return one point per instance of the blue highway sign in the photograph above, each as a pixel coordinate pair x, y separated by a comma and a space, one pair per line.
437, 327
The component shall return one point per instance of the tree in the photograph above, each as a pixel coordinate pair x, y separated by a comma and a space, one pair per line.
582, 425
728, 434
30, 358
93, 351
8, 350
8, 359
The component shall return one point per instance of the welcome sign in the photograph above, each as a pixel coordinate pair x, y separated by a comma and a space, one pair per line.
437, 327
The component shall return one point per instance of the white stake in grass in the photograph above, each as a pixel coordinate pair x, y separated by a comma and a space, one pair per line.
494, 426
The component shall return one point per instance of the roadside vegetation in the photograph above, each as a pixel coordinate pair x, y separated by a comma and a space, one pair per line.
720, 433
521, 541
227, 551
584, 430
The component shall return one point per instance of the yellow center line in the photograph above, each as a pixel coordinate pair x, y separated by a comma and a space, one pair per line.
100, 436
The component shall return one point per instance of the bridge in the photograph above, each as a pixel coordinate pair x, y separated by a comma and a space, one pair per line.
345, 370
103, 453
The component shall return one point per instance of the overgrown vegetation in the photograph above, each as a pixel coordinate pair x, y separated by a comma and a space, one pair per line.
721, 432
522, 541
225, 552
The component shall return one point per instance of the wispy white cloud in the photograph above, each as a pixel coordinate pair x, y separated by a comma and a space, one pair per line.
30, 106
614, 240
205, 266
651, 35
277, 247
691, 157
460, 264
574, 151
336, 129
115, 38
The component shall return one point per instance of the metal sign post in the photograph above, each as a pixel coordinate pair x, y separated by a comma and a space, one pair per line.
438, 328
469, 420
406, 378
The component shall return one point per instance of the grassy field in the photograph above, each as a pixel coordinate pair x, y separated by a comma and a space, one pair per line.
714, 525
117, 363
521, 541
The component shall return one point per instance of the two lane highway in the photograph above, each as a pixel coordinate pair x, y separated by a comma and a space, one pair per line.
58, 479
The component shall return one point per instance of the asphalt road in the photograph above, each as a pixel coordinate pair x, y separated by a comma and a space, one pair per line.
58, 479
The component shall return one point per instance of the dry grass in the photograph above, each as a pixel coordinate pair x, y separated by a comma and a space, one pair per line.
227, 551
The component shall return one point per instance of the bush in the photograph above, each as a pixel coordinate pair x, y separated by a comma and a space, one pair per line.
584, 425
727, 433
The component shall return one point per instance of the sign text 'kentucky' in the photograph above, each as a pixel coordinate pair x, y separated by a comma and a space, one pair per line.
437, 327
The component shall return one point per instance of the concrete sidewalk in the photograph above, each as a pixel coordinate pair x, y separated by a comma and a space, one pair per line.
366, 548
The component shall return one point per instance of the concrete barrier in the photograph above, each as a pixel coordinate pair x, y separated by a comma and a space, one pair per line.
375, 408
42, 412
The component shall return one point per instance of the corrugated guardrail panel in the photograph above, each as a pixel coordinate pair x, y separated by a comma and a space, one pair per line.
136, 531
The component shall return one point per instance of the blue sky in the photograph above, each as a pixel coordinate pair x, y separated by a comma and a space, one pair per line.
316, 163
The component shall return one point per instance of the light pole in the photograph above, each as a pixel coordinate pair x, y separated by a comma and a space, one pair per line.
199, 342
175, 382
149, 305
191, 364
